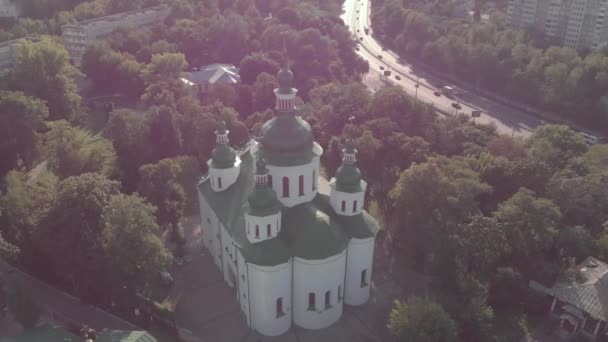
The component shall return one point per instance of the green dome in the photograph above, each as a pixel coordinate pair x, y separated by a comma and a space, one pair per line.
223, 155
286, 134
263, 200
348, 178
285, 78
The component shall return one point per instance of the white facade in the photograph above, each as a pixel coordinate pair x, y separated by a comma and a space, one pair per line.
359, 271
222, 179
318, 277
9, 9
296, 184
270, 284
281, 275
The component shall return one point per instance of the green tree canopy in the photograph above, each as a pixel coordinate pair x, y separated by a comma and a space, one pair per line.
21, 304
43, 70
130, 221
421, 320
21, 119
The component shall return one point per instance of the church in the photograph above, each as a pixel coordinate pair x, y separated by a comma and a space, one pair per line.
295, 247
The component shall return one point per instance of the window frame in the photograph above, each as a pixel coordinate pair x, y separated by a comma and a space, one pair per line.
279, 307
285, 191
364, 282
312, 301
328, 299
301, 185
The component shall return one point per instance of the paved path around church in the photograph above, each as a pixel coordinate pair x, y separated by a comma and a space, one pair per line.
206, 306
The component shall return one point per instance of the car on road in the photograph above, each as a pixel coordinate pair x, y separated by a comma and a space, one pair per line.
357, 47
381, 67
437, 93
379, 56
387, 73
398, 78
456, 105
360, 38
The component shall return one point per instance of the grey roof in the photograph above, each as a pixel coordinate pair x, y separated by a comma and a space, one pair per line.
215, 74
311, 231
590, 294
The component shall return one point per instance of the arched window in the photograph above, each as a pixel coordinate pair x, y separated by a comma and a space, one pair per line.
280, 307
364, 278
314, 180
270, 180
354, 206
257, 231
328, 299
339, 293
301, 185
285, 187
311, 301
219, 182
268, 232
343, 206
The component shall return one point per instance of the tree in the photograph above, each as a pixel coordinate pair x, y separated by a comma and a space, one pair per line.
130, 221
21, 304
162, 79
255, 64
556, 145
47, 62
263, 96
429, 199
159, 184
421, 319
8, 251
21, 119
530, 224
71, 151
483, 244
71, 233
164, 133
24, 203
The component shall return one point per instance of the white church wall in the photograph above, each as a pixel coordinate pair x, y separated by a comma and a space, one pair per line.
210, 231
336, 197
318, 277
293, 173
228, 257
266, 286
262, 227
223, 177
242, 288
360, 259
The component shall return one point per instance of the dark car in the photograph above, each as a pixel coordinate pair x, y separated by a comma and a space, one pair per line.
379, 56
357, 47
381, 67
398, 77
361, 38
437, 93
456, 105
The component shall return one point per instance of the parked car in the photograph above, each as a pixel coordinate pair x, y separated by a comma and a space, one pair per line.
456, 105
379, 56
166, 277
381, 67
437, 93
398, 77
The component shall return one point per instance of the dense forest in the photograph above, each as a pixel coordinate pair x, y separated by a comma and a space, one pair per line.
79, 182
521, 65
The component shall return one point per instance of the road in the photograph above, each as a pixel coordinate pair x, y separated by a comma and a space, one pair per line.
508, 120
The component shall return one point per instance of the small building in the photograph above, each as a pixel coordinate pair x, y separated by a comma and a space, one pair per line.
76, 37
581, 304
199, 80
8, 51
294, 247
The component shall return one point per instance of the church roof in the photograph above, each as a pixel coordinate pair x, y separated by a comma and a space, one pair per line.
287, 140
311, 231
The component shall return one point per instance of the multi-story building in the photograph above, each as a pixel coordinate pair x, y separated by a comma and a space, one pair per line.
577, 24
9, 9
77, 37
8, 51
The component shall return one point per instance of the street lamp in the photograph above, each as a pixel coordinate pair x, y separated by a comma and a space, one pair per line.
417, 85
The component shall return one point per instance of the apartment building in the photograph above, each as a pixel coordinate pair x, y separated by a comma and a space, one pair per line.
77, 37
8, 52
9, 9
578, 24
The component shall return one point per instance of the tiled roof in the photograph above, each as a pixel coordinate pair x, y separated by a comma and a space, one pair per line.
215, 74
589, 294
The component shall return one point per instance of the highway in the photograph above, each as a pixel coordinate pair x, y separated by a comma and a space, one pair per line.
508, 120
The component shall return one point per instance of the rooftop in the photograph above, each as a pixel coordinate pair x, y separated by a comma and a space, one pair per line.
311, 231
590, 292
215, 74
